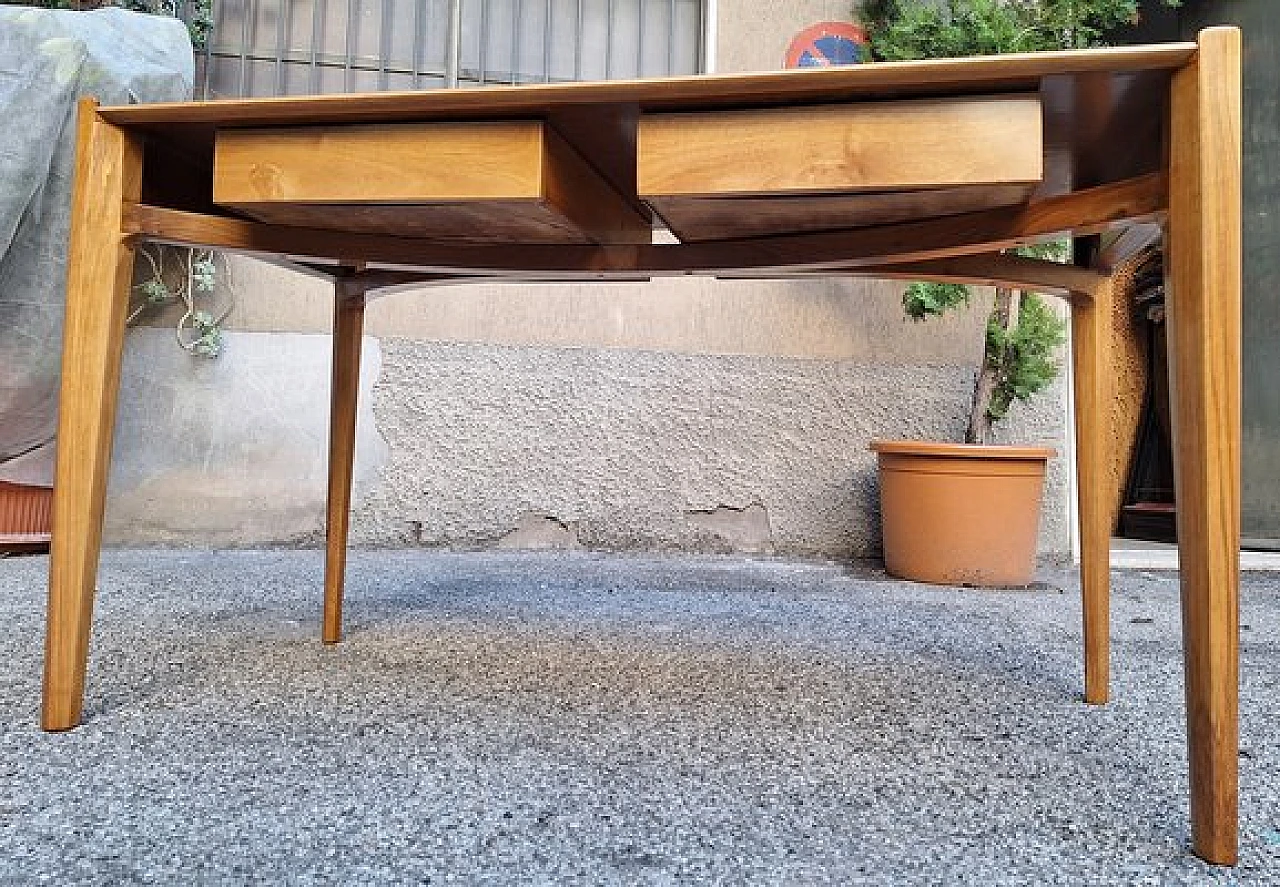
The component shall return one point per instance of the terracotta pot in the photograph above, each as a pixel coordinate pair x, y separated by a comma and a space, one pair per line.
24, 514
958, 514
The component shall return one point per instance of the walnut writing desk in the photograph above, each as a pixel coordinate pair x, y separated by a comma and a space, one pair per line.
917, 170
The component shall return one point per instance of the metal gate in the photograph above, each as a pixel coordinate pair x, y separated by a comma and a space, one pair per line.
291, 47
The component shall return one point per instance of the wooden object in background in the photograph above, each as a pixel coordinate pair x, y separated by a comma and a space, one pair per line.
1130, 353
1148, 509
25, 516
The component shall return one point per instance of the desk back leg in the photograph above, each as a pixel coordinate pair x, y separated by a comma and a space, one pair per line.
348, 332
1091, 370
99, 272
1203, 271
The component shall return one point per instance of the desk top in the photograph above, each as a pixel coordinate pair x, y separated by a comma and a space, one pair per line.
742, 160
1015, 72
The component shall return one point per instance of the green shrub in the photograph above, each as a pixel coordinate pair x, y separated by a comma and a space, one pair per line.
1022, 332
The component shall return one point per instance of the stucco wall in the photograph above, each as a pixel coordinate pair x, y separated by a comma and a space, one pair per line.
229, 451
692, 414
603, 448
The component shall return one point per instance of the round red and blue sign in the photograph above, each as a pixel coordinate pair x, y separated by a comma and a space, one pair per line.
829, 43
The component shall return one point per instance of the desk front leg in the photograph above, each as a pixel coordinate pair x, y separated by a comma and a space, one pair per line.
348, 333
99, 271
1092, 381
1203, 269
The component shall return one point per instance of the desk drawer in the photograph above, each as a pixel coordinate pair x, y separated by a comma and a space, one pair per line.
504, 181
745, 172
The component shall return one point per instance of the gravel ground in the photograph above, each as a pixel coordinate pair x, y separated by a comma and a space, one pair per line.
599, 719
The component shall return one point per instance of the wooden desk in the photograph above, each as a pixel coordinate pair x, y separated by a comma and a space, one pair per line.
919, 170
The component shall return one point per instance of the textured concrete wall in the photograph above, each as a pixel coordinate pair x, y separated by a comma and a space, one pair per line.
478, 445
553, 447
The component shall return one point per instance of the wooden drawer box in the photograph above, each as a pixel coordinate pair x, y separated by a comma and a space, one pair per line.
743, 172
500, 181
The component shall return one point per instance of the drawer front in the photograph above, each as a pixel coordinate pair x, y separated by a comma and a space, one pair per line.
879, 146
495, 181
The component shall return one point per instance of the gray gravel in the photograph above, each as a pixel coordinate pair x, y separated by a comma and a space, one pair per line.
597, 719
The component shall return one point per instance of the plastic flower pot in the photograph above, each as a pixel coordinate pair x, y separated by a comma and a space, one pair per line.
960, 514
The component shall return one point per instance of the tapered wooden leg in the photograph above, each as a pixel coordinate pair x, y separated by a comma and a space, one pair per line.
99, 269
1203, 299
1091, 365
348, 329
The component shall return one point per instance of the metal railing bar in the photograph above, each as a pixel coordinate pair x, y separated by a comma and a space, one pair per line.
361, 63
640, 38
707, 12
417, 41
384, 42
577, 44
283, 15
515, 38
453, 44
484, 38
314, 77
245, 13
352, 28
546, 41
249, 58
608, 41
208, 43
518, 79
671, 35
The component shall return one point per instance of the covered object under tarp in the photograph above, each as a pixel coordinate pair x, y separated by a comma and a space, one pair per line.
48, 60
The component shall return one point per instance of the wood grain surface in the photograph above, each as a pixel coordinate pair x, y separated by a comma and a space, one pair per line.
1005, 73
876, 146
108, 172
482, 181
1091, 378
925, 239
1203, 270
344, 394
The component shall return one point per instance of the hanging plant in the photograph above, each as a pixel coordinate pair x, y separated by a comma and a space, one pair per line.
195, 276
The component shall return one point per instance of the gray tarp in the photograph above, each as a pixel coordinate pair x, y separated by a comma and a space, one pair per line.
49, 59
